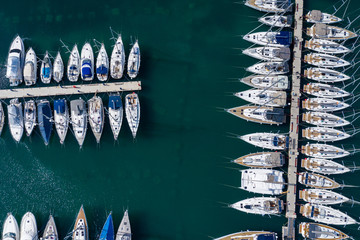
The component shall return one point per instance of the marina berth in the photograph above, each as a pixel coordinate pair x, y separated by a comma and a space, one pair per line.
10, 228
269, 82
58, 68
325, 75
323, 166
277, 20
332, 33
16, 119
46, 69
117, 61
325, 60
87, 63
273, 39
316, 16
269, 68
317, 181
325, 151
133, 64
107, 232
322, 196
50, 231
15, 62
326, 46
81, 231
29, 116
30, 67
79, 120
96, 116
44, 119
260, 205
132, 111
28, 228
324, 119
61, 118
124, 230
116, 114
262, 181
325, 90
272, 141
102, 64
273, 6
73, 67
265, 53
258, 114
323, 104
324, 134
2, 118
319, 231
264, 97
262, 160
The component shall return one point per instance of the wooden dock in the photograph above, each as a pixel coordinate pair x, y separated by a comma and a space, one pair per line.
70, 90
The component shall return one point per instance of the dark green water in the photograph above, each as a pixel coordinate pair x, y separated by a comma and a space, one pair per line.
172, 177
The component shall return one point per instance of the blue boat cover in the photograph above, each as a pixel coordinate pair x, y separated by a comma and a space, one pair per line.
59, 106
270, 236
276, 141
115, 102
284, 38
86, 69
46, 72
107, 232
44, 118
102, 70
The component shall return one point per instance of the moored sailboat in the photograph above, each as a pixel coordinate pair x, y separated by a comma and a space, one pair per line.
45, 119
46, 69
96, 116
2, 118
322, 196
323, 166
319, 231
87, 63
318, 150
250, 235
324, 119
102, 64
61, 118
133, 64
259, 114
260, 205
117, 61
50, 231
116, 113
262, 160
73, 67
107, 232
58, 68
124, 230
317, 181
16, 119
29, 116
263, 181
81, 231
132, 110
79, 120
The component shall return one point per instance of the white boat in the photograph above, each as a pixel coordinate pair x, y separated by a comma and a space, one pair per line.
58, 68
81, 230
132, 110
87, 63
10, 228
28, 228
260, 205
263, 181
318, 150
324, 134
15, 62
327, 215
262, 160
116, 114
96, 116
124, 230
325, 75
324, 119
102, 64
258, 114
264, 97
316, 16
274, 6
133, 64
277, 20
322, 196
314, 180
325, 90
323, 104
50, 231
276, 54
79, 119
273, 39
323, 166
2, 118
46, 69
323, 31
269, 68
30, 67
271, 82
117, 61
73, 67
272, 141
16, 119
319, 231
61, 118
249, 235
29, 116
326, 46
325, 60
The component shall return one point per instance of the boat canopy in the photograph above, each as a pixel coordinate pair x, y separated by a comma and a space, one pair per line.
78, 106
14, 63
283, 53
59, 106
316, 15
276, 115
46, 72
269, 236
86, 68
284, 38
102, 70
321, 29
115, 102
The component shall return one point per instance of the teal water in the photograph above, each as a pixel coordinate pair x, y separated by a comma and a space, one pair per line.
175, 176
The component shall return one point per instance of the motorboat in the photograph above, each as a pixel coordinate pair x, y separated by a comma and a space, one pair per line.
132, 110
277, 20
272, 141
96, 116
270, 82
28, 228
2, 118
326, 46
16, 119
332, 33
269, 68
81, 231
102, 64
15, 62
273, 39
45, 119
30, 67
316, 16
324, 119
325, 60
250, 235
79, 119
262, 160
325, 90
322, 196
73, 67
87, 63
263, 181
58, 68
50, 231
323, 166
264, 97
116, 113
29, 116
325, 214
324, 134
276, 54
46, 69
133, 64
317, 181
260, 205
323, 104
10, 228
61, 118
319, 231
325, 151
117, 61
259, 114
273, 6
124, 230
107, 232
325, 75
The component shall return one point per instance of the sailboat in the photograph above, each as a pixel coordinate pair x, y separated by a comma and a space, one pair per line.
45, 119
16, 119
270, 82
79, 119
117, 61
322, 196
46, 69
116, 113
323, 166
61, 118
87, 63
29, 116
324, 119
30, 68
2, 118
273, 39
264, 97
323, 134
332, 33
258, 114
277, 20
274, 6
250, 235
316, 16
319, 231
262, 181
102, 64
326, 46
262, 160
132, 110
28, 228
325, 75
58, 68
260, 205
10, 228
325, 60
73, 67
317, 181
317, 150
15, 62
81, 231
133, 64
266, 140
124, 230
50, 231
96, 116
325, 90
107, 232
323, 104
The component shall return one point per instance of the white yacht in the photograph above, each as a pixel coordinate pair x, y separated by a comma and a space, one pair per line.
325, 75
58, 68
277, 20
117, 61
323, 166
87, 62
29, 116
73, 67
325, 60
323, 104
274, 6
61, 118
270, 82
324, 119
262, 160
332, 33
276, 54
16, 119
2, 118
326, 46
263, 181
324, 134
269, 68
10, 228
327, 215
96, 116
116, 114
249, 235
318, 150
319, 231
15, 62
273, 39
264, 97
30, 67
28, 228
102, 64
133, 64
325, 90
259, 114
322, 196
81, 230
124, 230
260, 205
50, 231
316, 16
272, 141
314, 180
132, 110
46, 69
79, 119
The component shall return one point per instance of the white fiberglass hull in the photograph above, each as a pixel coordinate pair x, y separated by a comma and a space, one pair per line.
102, 64
16, 119
133, 64
28, 228
30, 68
58, 68
117, 61
96, 116
15, 62
29, 116
87, 63
10, 228
132, 110
73, 67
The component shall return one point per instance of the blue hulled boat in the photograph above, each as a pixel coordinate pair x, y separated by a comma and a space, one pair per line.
44, 119
107, 232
